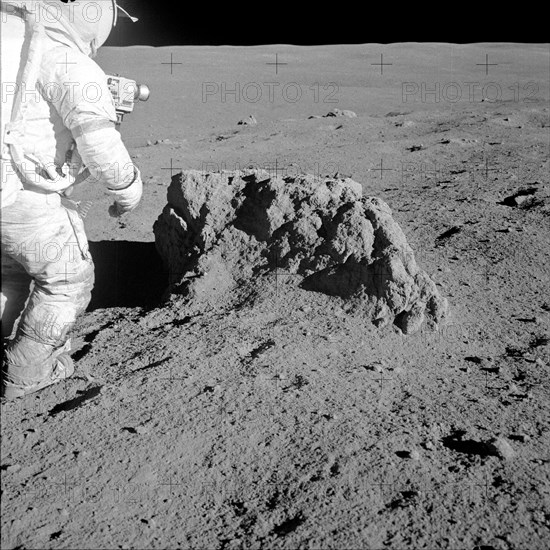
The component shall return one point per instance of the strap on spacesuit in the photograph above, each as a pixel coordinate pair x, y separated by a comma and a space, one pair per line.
92, 125
14, 131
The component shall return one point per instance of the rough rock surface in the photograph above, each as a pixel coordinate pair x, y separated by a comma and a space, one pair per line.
227, 229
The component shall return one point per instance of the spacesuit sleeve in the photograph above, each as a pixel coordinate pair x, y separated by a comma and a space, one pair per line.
78, 90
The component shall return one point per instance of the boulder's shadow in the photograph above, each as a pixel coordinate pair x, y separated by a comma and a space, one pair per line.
127, 274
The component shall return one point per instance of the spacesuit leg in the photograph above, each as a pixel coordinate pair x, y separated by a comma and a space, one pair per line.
48, 240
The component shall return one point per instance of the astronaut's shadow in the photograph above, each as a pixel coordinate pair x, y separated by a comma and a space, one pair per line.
127, 274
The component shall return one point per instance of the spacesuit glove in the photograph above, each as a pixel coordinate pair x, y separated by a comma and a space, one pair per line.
128, 198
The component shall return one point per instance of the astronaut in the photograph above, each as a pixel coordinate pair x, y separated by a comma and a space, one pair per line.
58, 131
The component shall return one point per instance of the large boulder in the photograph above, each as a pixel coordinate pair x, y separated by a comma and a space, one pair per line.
222, 230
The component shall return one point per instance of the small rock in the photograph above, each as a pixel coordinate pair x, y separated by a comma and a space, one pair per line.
414, 455
521, 437
522, 199
376, 367
495, 369
429, 445
341, 112
501, 448
346, 113
12, 468
250, 120
413, 148
149, 143
397, 113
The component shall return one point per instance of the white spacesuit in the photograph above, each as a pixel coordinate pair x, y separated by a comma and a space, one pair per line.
58, 130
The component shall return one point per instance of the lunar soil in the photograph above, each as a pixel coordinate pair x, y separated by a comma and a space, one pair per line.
354, 359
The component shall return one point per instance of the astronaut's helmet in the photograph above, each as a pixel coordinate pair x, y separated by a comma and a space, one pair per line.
91, 20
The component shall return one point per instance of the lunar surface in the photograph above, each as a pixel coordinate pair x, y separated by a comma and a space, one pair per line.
243, 380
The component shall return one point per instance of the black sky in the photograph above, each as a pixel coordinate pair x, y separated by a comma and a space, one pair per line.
205, 23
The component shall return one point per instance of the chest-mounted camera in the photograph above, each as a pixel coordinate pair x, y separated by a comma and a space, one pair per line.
125, 93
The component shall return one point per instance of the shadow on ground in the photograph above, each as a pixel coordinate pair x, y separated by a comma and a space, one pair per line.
127, 274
